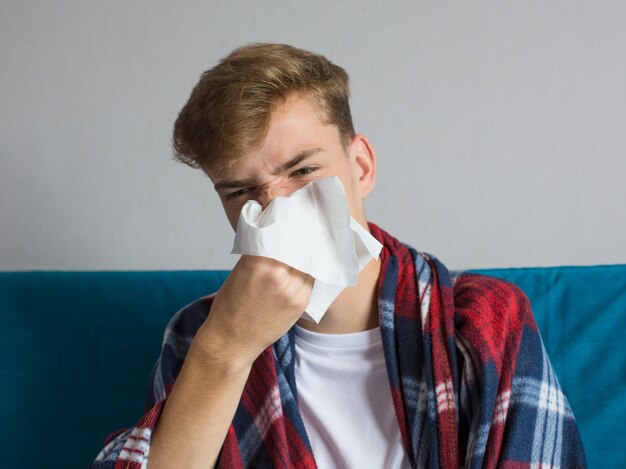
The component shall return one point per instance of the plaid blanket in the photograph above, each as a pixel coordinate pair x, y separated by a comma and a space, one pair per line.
471, 382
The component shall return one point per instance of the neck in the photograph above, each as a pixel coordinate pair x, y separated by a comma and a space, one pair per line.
355, 309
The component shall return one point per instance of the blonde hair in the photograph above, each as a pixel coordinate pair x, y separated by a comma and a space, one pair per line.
229, 110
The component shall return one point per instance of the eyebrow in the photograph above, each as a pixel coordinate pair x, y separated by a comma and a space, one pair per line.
296, 160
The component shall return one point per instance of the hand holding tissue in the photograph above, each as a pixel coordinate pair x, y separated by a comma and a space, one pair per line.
310, 230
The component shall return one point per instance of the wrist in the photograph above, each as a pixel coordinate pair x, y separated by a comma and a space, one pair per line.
219, 354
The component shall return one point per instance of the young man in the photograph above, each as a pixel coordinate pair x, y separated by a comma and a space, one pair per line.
412, 367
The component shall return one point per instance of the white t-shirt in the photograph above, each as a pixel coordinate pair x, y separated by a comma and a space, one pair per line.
345, 400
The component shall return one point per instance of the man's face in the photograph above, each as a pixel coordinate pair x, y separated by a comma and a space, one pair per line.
298, 149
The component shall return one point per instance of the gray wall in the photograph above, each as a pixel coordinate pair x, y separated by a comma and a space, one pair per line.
499, 126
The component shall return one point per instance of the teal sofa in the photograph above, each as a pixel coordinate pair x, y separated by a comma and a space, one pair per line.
76, 350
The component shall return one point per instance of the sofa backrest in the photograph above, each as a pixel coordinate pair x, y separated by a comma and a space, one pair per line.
77, 348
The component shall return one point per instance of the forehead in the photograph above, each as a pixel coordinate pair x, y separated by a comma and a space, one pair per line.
294, 123
295, 127
296, 114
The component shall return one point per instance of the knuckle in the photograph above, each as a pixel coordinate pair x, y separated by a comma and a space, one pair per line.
274, 280
275, 275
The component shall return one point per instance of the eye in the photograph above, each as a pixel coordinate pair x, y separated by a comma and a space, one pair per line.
239, 193
304, 171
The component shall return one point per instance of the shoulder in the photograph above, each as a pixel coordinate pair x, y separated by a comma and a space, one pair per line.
181, 330
182, 327
488, 297
177, 340
490, 311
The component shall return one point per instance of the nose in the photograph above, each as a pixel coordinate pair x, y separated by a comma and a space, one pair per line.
270, 190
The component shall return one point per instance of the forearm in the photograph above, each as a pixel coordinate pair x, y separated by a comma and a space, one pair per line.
198, 412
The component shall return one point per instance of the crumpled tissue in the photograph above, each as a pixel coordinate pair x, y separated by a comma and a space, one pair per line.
312, 231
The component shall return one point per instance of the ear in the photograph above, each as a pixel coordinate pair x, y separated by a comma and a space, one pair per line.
363, 159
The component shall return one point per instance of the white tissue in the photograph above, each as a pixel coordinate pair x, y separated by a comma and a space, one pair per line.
312, 231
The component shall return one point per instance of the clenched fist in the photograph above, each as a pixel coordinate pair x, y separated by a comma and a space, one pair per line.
258, 303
